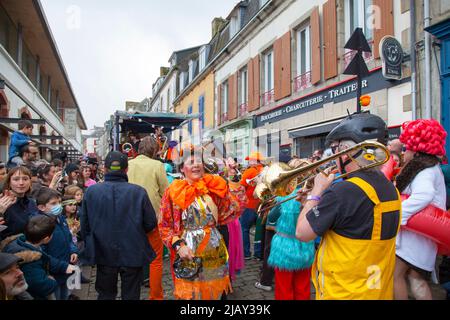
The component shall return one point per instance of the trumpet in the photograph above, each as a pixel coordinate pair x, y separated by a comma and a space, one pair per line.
281, 182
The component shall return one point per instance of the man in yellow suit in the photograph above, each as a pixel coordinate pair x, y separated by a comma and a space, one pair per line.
358, 220
151, 175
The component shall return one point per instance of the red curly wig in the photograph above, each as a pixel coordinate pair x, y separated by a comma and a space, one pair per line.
426, 136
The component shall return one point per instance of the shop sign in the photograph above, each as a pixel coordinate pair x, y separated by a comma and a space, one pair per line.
391, 53
70, 123
339, 93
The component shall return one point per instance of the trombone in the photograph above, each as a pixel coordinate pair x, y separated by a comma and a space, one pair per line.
281, 182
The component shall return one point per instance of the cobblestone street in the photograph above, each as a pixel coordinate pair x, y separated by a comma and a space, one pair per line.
243, 287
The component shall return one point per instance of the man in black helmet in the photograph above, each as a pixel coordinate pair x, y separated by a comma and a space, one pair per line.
358, 219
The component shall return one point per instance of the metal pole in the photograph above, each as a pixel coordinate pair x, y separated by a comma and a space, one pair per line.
117, 134
358, 95
359, 89
427, 18
413, 54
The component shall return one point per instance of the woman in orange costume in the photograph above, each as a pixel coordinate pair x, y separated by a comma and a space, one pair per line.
191, 210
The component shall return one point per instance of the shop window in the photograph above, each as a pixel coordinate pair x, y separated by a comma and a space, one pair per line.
243, 91
268, 81
303, 77
307, 145
358, 14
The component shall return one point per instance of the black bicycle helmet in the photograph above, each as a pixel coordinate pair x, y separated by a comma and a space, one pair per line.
359, 127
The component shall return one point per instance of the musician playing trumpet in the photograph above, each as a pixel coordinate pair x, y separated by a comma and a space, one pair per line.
358, 219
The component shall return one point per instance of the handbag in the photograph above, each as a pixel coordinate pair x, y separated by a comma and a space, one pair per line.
187, 269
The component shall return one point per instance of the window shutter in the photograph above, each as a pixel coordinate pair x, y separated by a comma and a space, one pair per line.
219, 104
282, 66
286, 71
315, 46
256, 84
387, 24
330, 39
278, 61
250, 85
232, 97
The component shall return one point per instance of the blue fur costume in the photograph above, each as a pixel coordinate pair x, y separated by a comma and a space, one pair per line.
288, 253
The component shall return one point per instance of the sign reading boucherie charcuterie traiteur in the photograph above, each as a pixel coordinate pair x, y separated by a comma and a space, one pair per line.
70, 123
341, 92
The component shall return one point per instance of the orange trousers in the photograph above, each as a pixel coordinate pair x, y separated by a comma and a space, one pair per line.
156, 267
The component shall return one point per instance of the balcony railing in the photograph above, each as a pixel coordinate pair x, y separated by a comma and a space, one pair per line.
302, 82
349, 55
243, 108
268, 97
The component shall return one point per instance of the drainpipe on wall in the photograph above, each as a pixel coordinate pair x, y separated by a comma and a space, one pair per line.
413, 54
427, 19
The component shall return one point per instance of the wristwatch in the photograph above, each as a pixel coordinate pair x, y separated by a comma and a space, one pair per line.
178, 244
313, 198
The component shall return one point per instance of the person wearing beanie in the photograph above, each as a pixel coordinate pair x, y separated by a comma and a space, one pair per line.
422, 183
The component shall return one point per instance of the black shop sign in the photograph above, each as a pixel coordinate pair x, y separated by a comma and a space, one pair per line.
339, 93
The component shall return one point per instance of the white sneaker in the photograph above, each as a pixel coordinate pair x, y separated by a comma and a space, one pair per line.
262, 287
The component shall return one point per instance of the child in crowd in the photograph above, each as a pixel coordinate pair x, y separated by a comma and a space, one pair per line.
70, 206
36, 263
61, 246
76, 193
19, 139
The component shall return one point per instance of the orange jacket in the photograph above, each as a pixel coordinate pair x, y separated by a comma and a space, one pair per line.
250, 173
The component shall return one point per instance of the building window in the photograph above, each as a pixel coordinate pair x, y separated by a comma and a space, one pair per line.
161, 103
169, 99
224, 99
191, 70
182, 81
358, 14
235, 24
262, 3
201, 111
243, 91
303, 78
190, 121
203, 57
268, 83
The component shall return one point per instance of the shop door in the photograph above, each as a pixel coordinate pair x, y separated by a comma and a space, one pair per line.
446, 108
445, 63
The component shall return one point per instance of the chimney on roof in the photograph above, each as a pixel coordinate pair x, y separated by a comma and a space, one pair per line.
163, 71
217, 25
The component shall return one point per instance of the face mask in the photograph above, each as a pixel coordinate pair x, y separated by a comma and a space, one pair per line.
56, 210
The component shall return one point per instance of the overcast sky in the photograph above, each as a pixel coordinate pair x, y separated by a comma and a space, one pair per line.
112, 50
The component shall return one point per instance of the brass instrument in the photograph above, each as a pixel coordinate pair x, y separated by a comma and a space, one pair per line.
211, 165
127, 147
281, 182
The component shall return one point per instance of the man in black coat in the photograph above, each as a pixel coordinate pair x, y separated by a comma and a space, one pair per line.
115, 218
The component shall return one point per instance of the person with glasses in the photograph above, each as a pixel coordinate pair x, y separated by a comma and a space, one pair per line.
29, 155
358, 219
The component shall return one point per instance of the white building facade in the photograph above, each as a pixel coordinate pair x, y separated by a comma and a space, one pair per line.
34, 82
282, 78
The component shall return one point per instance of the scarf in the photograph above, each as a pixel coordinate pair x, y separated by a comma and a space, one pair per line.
183, 194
